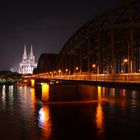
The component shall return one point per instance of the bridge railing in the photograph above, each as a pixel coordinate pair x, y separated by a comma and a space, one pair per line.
125, 78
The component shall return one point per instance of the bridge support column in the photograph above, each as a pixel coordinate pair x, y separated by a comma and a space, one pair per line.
112, 53
99, 53
81, 60
89, 65
130, 52
32, 83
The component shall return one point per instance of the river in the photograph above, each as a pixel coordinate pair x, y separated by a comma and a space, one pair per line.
69, 112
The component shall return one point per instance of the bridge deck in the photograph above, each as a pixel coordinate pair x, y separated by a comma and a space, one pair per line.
118, 78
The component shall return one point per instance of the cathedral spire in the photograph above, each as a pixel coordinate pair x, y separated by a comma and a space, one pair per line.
24, 58
31, 51
31, 55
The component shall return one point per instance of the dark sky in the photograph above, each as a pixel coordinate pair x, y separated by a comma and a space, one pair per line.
47, 25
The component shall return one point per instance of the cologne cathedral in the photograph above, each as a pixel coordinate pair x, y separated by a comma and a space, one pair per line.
28, 62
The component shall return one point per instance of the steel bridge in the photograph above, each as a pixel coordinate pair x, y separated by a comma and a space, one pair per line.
107, 45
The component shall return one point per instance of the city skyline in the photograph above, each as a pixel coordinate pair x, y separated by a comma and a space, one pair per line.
45, 25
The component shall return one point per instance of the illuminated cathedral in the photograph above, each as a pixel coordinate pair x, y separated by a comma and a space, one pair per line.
28, 62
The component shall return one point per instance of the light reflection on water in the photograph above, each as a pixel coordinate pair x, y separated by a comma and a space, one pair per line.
113, 111
100, 114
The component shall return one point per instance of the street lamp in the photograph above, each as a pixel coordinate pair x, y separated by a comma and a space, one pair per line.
66, 70
77, 68
93, 67
59, 71
125, 61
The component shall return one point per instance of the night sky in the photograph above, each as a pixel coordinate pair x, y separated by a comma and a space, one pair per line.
47, 25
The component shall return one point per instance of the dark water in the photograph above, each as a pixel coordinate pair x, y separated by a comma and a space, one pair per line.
79, 112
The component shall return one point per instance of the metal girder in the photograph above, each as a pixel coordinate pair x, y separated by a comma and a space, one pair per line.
112, 36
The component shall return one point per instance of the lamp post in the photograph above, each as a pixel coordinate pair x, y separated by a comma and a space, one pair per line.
93, 67
125, 62
59, 71
66, 71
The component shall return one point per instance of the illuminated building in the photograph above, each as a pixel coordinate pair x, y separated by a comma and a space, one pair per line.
28, 62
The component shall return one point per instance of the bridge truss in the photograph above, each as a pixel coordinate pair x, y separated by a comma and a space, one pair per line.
109, 43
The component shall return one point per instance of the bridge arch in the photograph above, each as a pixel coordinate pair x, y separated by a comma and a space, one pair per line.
109, 43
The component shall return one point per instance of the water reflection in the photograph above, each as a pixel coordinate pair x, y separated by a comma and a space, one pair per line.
133, 100
44, 121
99, 114
112, 92
34, 119
3, 96
123, 100
42, 111
11, 90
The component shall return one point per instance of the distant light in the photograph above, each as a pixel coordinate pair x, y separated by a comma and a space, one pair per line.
94, 65
66, 70
77, 68
125, 60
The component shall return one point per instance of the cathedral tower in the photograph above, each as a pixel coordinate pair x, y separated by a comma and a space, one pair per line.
28, 63
31, 58
24, 57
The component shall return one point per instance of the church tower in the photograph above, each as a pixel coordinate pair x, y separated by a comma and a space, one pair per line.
27, 64
24, 57
31, 58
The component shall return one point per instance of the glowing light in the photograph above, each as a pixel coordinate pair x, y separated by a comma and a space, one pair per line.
3, 95
123, 92
59, 71
57, 82
99, 93
32, 90
94, 65
45, 91
25, 81
125, 60
77, 68
44, 121
113, 92
99, 116
66, 70
32, 83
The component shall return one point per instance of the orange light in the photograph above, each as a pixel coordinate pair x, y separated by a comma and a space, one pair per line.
125, 60
59, 71
32, 83
99, 116
99, 112
45, 121
99, 93
94, 65
25, 81
45, 91
33, 99
66, 70
77, 68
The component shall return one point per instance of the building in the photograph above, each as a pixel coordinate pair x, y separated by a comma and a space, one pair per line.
28, 62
